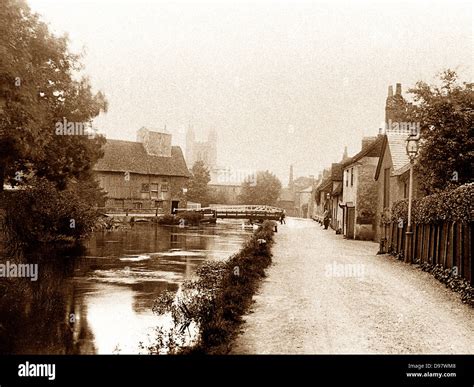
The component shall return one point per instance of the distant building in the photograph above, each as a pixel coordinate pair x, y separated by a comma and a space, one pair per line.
328, 196
225, 186
359, 195
302, 200
286, 200
148, 173
205, 151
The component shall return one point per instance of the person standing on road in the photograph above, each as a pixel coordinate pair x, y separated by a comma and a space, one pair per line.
282, 218
327, 218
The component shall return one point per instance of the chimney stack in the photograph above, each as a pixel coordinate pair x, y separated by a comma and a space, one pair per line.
291, 184
155, 143
390, 91
398, 89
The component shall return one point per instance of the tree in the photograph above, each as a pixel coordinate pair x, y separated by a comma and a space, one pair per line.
39, 87
265, 190
198, 190
445, 113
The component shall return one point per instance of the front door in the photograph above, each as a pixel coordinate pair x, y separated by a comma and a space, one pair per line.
174, 205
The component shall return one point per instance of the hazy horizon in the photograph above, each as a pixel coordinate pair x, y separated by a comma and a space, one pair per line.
282, 82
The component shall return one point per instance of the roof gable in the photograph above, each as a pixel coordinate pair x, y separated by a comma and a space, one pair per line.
396, 144
372, 150
130, 156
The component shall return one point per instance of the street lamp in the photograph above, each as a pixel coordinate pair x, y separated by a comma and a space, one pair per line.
412, 152
412, 147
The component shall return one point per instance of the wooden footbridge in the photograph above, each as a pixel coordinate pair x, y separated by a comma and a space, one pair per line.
253, 213
250, 212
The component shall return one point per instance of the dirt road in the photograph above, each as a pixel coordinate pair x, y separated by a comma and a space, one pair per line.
328, 295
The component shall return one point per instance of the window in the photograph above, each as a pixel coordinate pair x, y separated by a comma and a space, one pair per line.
154, 190
145, 187
138, 205
165, 186
386, 187
405, 190
352, 177
119, 203
346, 173
159, 204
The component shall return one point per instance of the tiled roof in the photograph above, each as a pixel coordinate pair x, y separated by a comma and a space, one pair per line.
397, 145
372, 150
326, 184
122, 156
336, 172
337, 188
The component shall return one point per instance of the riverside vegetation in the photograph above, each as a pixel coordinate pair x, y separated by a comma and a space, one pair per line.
213, 303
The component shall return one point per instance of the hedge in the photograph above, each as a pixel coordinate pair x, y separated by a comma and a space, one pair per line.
454, 205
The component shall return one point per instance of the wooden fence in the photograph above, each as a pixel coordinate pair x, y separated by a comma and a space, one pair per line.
448, 244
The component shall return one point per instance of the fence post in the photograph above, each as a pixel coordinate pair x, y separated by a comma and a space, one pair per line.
443, 244
459, 256
449, 256
432, 244
469, 249
426, 242
414, 241
465, 251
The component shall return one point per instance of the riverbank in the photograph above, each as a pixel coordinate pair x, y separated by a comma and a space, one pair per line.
216, 299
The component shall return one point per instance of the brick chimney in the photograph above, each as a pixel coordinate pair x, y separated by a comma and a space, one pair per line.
291, 184
390, 91
398, 90
155, 143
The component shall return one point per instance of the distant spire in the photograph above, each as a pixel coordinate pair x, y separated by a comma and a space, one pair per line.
344, 155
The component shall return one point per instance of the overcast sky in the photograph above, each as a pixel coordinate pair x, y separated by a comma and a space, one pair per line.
282, 82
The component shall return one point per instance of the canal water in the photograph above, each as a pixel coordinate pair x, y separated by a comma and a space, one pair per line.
101, 301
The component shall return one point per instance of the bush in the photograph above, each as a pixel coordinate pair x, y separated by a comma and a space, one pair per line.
191, 217
39, 213
215, 301
454, 205
169, 220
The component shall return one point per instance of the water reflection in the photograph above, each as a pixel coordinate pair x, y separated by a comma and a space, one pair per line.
100, 302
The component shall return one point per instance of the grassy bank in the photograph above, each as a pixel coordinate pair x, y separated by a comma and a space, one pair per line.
215, 300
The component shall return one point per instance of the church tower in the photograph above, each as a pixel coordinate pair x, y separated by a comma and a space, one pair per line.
205, 151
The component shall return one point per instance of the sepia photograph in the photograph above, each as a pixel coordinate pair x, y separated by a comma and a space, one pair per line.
237, 178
